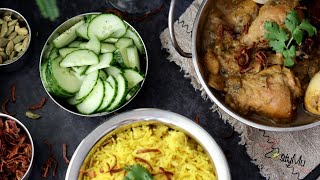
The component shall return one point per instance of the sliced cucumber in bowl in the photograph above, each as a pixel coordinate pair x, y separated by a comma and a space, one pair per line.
98, 52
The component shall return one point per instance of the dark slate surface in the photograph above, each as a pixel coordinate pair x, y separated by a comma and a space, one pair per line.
165, 88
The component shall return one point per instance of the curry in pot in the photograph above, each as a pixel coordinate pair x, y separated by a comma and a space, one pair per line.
262, 57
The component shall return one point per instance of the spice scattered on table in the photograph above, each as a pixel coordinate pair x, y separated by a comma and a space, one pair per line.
15, 150
39, 105
13, 93
3, 107
64, 148
32, 115
50, 162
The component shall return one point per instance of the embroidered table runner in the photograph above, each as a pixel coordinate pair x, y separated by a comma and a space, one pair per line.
279, 156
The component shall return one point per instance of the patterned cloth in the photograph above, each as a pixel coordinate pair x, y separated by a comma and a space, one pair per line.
279, 156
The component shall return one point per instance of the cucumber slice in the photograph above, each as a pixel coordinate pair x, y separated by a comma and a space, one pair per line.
121, 92
83, 45
80, 58
132, 92
62, 78
81, 70
123, 43
136, 39
54, 53
121, 56
75, 44
133, 57
107, 48
93, 101
111, 40
119, 33
104, 25
105, 61
44, 77
113, 71
88, 84
74, 101
112, 81
65, 51
109, 96
103, 75
133, 77
94, 45
90, 17
82, 31
68, 36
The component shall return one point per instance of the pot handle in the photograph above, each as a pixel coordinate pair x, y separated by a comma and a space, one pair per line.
172, 34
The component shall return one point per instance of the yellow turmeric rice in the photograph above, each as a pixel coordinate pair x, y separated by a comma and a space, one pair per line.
167, 154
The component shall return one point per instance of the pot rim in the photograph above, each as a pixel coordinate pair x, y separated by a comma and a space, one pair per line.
226, 109
150, 115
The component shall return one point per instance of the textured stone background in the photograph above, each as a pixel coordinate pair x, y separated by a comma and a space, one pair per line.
165, 88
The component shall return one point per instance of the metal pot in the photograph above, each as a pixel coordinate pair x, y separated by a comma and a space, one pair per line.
47, 48
149, 116
18, 62
304, 120
23, 128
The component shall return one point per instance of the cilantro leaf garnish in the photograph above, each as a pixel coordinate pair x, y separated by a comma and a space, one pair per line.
137, 172
279, 37
276, 36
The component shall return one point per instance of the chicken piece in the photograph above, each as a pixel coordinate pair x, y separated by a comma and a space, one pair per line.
211, 62
275, 59
271, 92
273, 10
238, 13
216, 82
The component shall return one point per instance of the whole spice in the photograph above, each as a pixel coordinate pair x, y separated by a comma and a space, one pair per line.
50, 162
13, 39
13, 93
64, 148
3, 107
39, 105
32, 115
15, 150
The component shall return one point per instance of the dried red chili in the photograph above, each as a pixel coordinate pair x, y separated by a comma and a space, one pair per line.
64, 148
13, 93
3, 107
147, 150
39, 105
143, 161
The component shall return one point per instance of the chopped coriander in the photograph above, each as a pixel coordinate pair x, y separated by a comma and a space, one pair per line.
137, 172
279, 37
